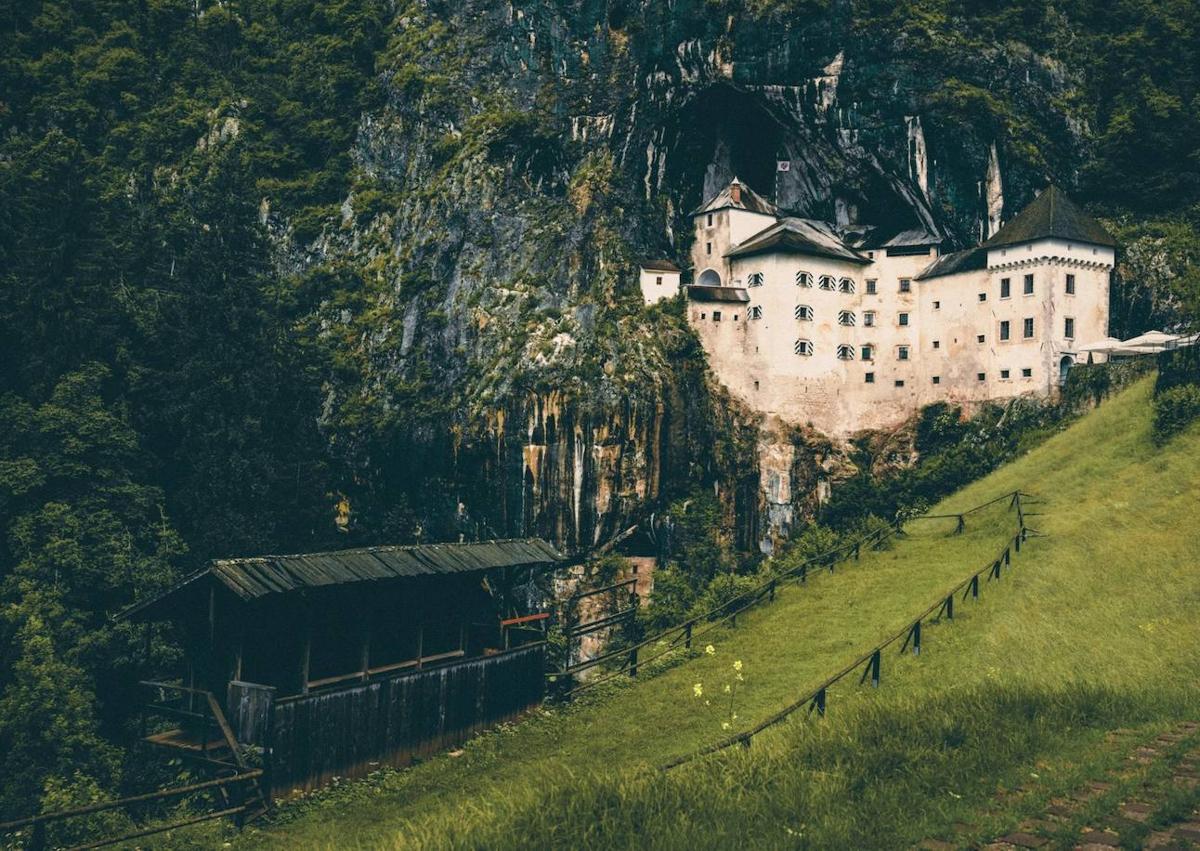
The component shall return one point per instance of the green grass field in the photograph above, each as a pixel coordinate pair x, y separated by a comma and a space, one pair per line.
1094, 627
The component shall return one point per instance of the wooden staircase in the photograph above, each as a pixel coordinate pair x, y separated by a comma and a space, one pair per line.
203, 736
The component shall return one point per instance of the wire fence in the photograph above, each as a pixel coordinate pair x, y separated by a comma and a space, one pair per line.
871, 662
697, 626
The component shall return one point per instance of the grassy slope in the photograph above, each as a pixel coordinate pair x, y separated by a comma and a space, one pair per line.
1095, 627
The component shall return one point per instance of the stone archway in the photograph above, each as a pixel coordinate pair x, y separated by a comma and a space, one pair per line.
1064, 366
709, 278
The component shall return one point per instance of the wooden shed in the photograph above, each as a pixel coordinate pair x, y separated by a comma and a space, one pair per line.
332, 664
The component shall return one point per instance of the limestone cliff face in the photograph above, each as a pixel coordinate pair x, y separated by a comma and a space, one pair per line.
532, 151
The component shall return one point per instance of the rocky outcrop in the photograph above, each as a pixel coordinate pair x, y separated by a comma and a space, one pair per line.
531, 152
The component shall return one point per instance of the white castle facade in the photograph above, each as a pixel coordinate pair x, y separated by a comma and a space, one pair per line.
845, 328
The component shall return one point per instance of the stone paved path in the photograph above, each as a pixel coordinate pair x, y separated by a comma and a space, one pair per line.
1160, 812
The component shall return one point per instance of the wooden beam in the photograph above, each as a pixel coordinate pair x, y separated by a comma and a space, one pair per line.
305, 656
368, 627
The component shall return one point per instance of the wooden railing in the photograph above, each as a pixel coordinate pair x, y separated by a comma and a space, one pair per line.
244, 805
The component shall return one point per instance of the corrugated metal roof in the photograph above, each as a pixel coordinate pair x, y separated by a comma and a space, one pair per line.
251, 578
261, 575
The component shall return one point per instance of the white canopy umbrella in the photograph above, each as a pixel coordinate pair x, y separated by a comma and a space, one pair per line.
1100, 345
1152, 340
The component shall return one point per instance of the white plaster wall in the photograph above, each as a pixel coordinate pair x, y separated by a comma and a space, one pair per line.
729, 227
657, 284
755, 359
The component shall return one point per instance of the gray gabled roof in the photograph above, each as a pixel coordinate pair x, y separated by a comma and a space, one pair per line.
798, 236
251, 578
659, 266
1052, 215
748, 200
958, 261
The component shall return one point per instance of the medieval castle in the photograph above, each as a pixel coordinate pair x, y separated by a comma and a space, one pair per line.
846, 328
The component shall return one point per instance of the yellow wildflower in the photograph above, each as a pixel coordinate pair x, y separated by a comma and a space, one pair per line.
737, 666
710, 650
698, 690
727, 688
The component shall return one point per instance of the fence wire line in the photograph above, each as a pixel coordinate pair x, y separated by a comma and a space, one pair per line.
751, 597
743, 738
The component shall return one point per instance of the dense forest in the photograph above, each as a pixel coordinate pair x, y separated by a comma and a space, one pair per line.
200, 251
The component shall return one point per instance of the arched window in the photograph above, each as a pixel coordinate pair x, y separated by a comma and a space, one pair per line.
846, 317
709, 278
804, 279
827, 282
846, 285
754, 311
845, 352
804, 312
804, 347
755, 279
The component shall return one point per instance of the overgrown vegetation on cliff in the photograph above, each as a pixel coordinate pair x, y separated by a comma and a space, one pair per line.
257, 253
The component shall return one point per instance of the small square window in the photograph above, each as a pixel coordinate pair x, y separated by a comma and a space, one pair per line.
981, 338
869, 377
716, 316
703, 315
905, 285
1005, 287
1070, 285
1029, 285
710, 219
1004, 373
937, 344
868, 318
902, 352
658, 280
903, 319
981, 376
1028, 327
983, 296
937, 305
937, 379
1027, 373
1069, 328
867, 352
899, 382
708, 248
756, 385
870, 286
735, 317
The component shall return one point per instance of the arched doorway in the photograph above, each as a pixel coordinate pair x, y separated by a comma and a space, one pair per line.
1064, 366
709, 278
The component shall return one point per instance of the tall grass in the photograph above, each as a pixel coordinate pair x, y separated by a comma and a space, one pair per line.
1094, 627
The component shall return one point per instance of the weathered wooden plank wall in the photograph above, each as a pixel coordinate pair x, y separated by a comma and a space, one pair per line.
351, 732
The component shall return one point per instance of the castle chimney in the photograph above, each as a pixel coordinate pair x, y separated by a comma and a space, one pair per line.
735, 192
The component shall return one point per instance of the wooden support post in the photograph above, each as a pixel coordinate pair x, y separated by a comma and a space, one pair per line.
961, 527
876, 662
771, 592
366, 645
687, 635
633, 662
818, 703
1007, 556
305, 656
916, 633
421, 643
1017, 541
950, 607
804, 572
856, 549
37, 841
975, 586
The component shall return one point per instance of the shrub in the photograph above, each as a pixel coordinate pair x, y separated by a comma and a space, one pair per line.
1174, 409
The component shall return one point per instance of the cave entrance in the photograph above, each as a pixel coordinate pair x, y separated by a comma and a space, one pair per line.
725, 133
